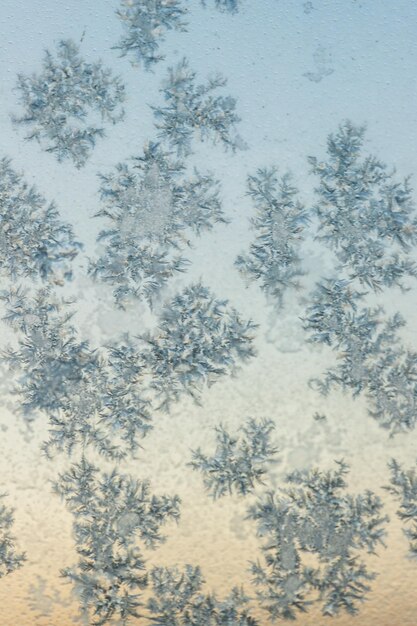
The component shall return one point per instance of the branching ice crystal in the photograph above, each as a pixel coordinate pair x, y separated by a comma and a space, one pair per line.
66, 103
49, 358
108, 409
371, 356
273, 258
111, 512
179, 600
193, 110
91, 397
199, 339
145, 23
404, 487
10, 559
364, 214
34, 242
151, 205
239, 463
314, 516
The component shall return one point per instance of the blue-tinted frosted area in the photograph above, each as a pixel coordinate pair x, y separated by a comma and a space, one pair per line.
208, 346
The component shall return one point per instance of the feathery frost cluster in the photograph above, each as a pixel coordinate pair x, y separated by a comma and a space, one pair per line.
103, 398
314, 516
273, 257
92, 397
145, 23
371, 356
368, 219
66, 104
364, 214
111, 513
34, 242
403, 486
199, 339
151, 205
193, 111
179, 600
239, 463
10, 559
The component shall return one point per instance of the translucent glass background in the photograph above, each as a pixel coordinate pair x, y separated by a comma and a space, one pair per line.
297, 74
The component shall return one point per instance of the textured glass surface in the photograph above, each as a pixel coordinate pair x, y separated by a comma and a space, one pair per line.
208, 340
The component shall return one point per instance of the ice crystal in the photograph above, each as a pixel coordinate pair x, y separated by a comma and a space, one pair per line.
404, 487
67, 102
239, 463
145, 23
273, 258
179, 600
34, 242
365, 215
371, 357
108, 409
314, 516
48, 357
308, 8
193, 110
10, 559
111, 513
231, 6
91, 397
322, 60
151, 205
198, 340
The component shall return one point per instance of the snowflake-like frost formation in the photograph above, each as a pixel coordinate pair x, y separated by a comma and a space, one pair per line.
91, 397
10, 559
151, 204
314, 516
273, 258
193, 110
371, 357
199, 339
111, 512
34, 242
239, 463
365, 215
145, 23
179, 600
403, 486
67, 102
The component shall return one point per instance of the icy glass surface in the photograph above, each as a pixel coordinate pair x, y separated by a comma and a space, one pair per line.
208, 338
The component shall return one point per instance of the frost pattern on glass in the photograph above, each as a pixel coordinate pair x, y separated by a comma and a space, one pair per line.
239, 462
151, 204
199, 339
91, 397
273, 258
365, 215
372, 358
34, 242
314, 517
192, 111
66, 104
231, 6
145, 23
10, 558
179, 599
403, 485
112, 512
